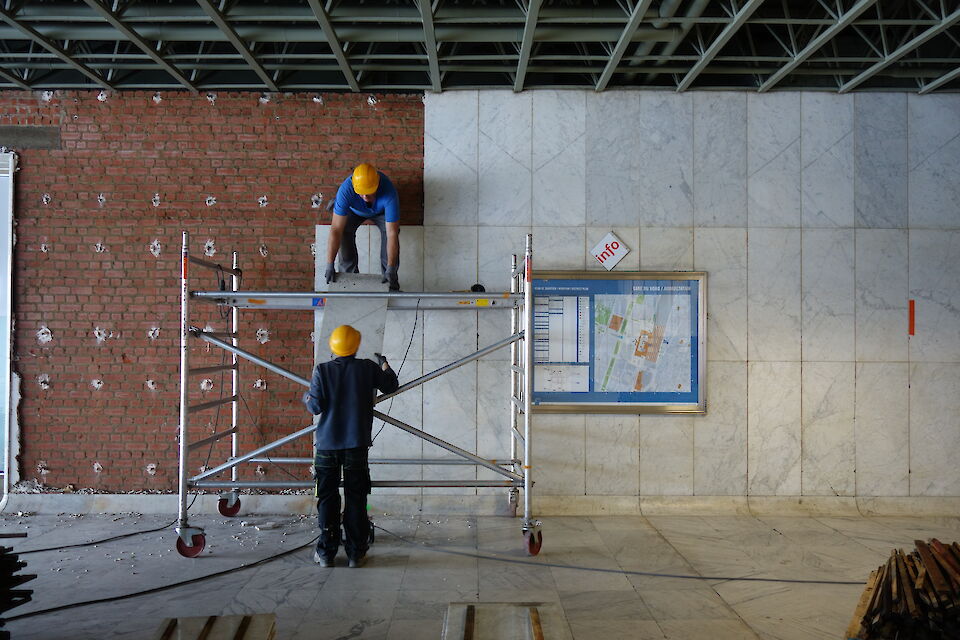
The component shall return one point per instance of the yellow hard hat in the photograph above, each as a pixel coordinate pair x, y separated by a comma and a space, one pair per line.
345, 340
365, 179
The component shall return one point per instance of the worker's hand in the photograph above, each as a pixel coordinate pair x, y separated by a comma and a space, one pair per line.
381, 359
331, 274
390, 275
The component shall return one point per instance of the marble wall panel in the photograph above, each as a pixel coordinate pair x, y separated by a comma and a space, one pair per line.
666, 455
665, 160
449, 335
720, 436
774, 428
719, 159
612, 458
612, 158
393, 442
722, 253
934, 133
629, 236
496, 245
829, 453
666, 248
450, 413
826, 158
881, 294
935, 286
403, 337
773, 315
882, 429
934, 429
773, 159
559, 248
493, 417
828, 294
559, 157
450, 257
880, 169
505, 158
450, 144
559, 454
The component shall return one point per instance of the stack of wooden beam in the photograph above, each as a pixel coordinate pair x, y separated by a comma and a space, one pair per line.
913, 596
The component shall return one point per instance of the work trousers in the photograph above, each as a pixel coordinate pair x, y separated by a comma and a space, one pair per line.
356, 485
349, 261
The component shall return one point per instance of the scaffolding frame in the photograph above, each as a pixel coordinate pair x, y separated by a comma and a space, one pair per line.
516, 470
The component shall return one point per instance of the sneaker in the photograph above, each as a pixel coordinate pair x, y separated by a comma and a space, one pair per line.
357, 562
323, 560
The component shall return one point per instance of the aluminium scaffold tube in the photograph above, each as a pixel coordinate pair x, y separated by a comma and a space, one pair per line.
527, 379
184, 375
267, 295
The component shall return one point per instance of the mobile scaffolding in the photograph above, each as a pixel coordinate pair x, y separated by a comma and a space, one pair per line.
516, 470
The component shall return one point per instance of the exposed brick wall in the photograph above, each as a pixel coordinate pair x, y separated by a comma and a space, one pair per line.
183, 148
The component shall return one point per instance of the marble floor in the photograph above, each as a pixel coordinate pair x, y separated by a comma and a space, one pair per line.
602, 572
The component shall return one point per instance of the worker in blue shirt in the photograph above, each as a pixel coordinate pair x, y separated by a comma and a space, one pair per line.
341, 393
368, 194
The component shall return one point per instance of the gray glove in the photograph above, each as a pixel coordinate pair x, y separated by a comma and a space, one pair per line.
381, 359
390, 275
331, 274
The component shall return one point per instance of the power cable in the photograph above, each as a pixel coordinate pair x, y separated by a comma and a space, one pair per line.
416, 317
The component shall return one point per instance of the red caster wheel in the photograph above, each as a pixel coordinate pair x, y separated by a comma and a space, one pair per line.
226, 510
198, 541
533, 540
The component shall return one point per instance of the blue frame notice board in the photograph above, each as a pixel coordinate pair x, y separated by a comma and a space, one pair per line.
619, 342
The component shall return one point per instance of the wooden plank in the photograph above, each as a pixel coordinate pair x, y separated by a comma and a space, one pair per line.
933, 570
855, 628
911, 603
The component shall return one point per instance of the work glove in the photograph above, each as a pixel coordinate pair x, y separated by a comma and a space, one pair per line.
390, 275
331, 274
381, 359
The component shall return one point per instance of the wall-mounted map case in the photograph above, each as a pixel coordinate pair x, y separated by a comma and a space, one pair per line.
619, 342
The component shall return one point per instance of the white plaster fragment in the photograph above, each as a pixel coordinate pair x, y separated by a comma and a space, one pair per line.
152, 385
212, 98
97, 467
155, 200
44, 247
313, 248
42, 468
101, 335
44, 335
101, 200
155, 248
102, 96
264, 98
313, 336
156, 98
99, 247
263, 201
318, 99
372, 100
206, 384
211, 200
153, 333
44, 381
46, 96
263, 250
209, 328
261, 471
45, 199
316, 201
260, 383
263, 336
209, 248
97, 384
151, 469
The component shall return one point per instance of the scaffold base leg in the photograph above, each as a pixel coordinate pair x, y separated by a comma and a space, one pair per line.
190, 541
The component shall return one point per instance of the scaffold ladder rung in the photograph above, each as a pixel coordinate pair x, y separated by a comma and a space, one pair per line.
203, 406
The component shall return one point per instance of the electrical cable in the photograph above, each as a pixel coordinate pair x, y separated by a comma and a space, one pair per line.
95, 542
416, 317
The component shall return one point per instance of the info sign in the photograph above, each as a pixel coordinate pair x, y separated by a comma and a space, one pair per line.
610, 251
624, 342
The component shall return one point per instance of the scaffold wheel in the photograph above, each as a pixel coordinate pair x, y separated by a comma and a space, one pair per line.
191, 551
533, 540
223, 506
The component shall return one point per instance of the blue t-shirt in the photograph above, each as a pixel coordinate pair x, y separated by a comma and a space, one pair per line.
387, 202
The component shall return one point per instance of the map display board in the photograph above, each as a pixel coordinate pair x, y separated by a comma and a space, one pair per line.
619, 342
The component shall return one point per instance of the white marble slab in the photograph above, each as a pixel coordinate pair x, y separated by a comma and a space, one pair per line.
826, 157
722, 253
559, 157
773, 315
505, 158
367, 315
496, 245
935, 286
720, 436
828, 294
881, 298
492, 327
450, 258
880, 167
719, 159
450, 413
559, 248
934, 132
666, 248
774, 428
612, 157
449, 335
559, 455
493, 418
666, 455
934, 432
450, 144
829, 450
665, 160
393, 442
411, 257
403, 336
629, 236
882, 429
612, 458
773, 159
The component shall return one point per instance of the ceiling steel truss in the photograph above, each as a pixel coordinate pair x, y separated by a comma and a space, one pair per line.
438, 45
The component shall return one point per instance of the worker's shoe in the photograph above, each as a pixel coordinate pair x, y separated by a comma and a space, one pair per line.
359, 561
323, 560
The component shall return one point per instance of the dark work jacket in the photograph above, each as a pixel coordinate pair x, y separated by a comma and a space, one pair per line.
341, 393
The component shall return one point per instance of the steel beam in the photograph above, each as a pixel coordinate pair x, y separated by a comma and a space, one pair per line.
430, 43
636, 17
526, 43
906, 48
9, 77
842, 23
334, 42
939, 82
729, 31
144, 46
31, 33
237, 42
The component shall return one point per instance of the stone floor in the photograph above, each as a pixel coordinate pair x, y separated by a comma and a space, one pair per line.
598, 569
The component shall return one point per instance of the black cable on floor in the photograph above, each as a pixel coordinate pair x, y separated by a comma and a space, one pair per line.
88, 544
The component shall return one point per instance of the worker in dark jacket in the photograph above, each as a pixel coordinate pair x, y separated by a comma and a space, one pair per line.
342, 393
